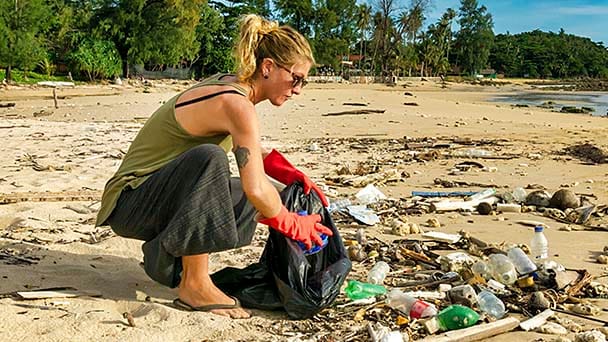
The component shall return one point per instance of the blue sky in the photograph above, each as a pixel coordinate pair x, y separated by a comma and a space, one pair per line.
587, 18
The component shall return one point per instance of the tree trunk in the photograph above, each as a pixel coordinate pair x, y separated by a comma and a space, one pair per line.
125, 68
8, 75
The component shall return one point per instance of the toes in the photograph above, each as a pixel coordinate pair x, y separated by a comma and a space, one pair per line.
232, 313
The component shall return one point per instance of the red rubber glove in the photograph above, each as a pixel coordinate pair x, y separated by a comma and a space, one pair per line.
305, 229
279, 168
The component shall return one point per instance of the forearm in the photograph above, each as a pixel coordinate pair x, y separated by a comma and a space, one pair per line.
265, 199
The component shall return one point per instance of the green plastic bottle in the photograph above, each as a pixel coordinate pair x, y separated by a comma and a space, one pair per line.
452, 318
360, 290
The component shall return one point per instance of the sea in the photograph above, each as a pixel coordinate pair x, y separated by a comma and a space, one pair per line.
597, 101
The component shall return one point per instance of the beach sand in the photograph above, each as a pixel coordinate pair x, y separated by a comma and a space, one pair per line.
72, 151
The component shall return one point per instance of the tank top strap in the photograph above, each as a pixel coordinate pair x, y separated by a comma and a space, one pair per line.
217, 80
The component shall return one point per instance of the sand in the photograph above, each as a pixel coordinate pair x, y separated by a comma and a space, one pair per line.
78, 146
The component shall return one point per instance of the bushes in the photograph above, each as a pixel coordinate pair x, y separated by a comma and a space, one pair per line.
96, 59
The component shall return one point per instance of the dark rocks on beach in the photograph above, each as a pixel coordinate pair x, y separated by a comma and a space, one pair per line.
564, 199
538, 198
588, 152
571, 109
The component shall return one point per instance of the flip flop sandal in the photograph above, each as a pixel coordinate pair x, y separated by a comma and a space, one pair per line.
178, 303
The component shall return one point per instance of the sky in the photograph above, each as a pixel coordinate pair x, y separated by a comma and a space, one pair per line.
586, 18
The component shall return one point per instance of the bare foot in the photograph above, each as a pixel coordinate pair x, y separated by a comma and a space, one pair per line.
208, 294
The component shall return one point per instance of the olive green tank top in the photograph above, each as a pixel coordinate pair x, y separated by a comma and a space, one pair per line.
161, 140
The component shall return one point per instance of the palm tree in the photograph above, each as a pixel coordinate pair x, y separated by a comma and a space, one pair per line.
365, 18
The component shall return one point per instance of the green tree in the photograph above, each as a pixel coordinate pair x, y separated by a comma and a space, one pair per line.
475, 38
215, 44
152, 31
334, 29
22, 26
298, 14
435, 47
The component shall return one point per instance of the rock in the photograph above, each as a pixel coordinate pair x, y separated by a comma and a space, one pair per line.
433, 223
414, 228
484, 208
356, 253
400, 228
585, 309
539, 302
538, 198
561, 339
564, 199
552, 328
602, 259
590, 336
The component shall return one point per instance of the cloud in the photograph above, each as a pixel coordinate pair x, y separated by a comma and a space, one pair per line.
584, 10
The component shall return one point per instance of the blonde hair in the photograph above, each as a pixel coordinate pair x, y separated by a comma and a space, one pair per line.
261, 38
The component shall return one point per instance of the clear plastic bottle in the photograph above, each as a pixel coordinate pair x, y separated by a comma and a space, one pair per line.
539, 246
483, 194
377, 274
411, 306
482, 269
503, 269
490, 304
520, 194
452, 318
522, 262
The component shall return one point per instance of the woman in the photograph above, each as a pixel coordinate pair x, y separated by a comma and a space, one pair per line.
173, 188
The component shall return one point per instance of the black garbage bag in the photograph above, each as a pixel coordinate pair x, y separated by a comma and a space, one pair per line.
285, 278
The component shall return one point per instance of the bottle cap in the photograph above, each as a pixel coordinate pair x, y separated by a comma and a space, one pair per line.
538, 229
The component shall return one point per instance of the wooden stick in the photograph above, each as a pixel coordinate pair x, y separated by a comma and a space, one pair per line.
57, 294
477, 332
355, 112
55, 97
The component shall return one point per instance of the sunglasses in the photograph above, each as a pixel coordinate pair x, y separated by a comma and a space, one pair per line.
297, 80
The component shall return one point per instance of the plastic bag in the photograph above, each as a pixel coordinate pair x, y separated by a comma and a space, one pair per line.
285, 278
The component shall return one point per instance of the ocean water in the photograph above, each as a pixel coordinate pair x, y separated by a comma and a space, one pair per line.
597, 101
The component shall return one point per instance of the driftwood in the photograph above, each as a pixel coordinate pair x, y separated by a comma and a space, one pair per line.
355, 112
360, 104
62, 293
477, 332
536, 321
64, 196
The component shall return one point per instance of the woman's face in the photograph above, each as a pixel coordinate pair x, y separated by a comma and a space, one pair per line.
285, 81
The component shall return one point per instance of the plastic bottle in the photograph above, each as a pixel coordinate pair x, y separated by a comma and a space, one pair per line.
482, 269
411, 306
360, 290
378, 273
490, 304
452, 318
483, 194
539, 246
503, 269
520, 260
314, 249
519, 194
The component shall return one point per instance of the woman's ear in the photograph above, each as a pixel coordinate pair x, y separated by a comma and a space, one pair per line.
266, 67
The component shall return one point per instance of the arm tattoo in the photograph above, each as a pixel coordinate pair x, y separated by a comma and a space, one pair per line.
242, 156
